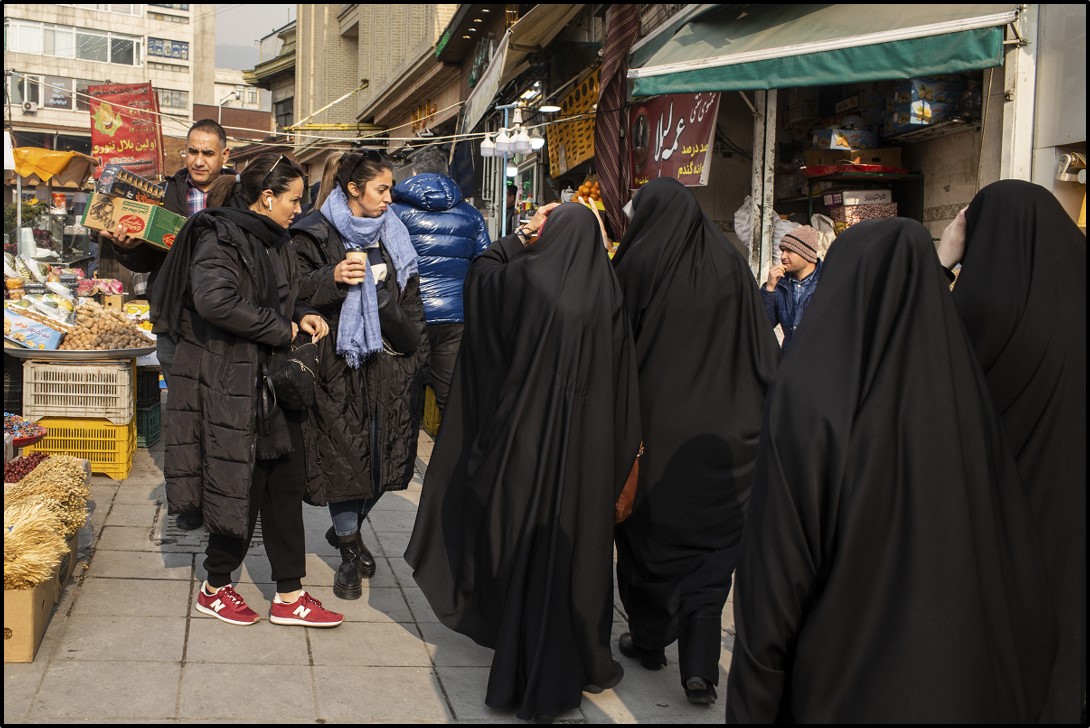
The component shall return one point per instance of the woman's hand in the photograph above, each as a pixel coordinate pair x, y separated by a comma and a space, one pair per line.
532, 228
314, 325
350, 271
951, 248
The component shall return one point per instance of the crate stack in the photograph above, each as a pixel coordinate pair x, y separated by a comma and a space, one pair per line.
88, 409
148, 415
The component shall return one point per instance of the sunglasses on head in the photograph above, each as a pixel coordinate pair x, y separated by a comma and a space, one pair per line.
265, 179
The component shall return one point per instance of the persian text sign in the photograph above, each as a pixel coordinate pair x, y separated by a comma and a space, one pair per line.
672, 136
125, 128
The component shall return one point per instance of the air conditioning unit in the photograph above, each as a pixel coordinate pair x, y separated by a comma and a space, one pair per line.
30, 107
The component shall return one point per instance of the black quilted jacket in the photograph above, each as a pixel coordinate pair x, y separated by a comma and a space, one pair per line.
374, 409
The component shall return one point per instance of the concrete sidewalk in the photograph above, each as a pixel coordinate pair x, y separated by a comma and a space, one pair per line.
126, 645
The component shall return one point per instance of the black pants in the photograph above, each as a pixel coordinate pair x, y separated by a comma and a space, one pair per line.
277, 494
445, 339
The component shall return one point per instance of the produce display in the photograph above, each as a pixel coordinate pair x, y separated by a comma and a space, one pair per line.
19, 468
60, 482
33, 544
21, 429
101, 328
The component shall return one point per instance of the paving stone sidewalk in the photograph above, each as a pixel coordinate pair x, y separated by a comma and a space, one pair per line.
126, 646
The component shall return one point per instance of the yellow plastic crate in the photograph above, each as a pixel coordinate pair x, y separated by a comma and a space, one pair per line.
431, 412
108, 447
88, 390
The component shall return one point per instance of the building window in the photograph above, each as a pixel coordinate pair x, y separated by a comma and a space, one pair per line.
81, 93
251, 97
59, 41
58, 93
165, 48
23, 37
283, 112
172, 98
22, 88
172, 67
169, 7
124, 52
107, 8
92, 46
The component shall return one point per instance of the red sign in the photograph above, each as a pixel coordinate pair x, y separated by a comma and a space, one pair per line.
125, 128
672, 136
131, 223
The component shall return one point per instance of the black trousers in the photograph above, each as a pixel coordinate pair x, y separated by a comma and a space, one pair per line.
445, 340
277, 494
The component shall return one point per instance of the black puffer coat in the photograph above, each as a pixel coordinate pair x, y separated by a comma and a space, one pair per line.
376, 408
226, 329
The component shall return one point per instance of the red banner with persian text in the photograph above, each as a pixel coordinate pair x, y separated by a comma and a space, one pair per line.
673, 136
125, 128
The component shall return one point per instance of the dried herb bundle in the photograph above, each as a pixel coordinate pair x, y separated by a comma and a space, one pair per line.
33, 544
61, 482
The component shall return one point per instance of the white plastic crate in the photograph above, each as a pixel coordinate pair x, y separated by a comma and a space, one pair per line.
89, 390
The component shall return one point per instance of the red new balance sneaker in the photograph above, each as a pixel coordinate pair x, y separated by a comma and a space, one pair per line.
226, 604
306, 611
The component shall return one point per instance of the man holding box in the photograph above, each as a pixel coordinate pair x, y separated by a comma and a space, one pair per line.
205, 155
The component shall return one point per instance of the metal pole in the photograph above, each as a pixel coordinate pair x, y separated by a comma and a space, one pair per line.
503, 182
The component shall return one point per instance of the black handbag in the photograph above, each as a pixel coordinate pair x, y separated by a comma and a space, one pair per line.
292, 374
400, 334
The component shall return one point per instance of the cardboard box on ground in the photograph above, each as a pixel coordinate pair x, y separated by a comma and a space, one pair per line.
27, 612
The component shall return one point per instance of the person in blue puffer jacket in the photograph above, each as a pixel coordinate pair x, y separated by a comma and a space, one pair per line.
448, 233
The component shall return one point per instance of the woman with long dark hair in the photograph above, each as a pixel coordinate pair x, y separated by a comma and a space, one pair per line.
227, 294
358, 268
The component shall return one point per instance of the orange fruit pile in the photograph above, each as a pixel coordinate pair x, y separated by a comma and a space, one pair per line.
589, 190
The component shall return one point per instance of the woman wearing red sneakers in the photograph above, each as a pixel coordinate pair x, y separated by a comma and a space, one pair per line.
227, 293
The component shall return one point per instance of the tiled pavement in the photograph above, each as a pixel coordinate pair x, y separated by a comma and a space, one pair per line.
126, 645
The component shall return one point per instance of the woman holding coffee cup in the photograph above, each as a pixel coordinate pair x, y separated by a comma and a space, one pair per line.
359, 270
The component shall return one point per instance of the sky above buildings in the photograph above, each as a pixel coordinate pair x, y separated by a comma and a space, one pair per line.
239, 27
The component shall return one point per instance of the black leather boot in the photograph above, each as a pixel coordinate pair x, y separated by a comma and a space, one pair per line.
346, 583
366, 560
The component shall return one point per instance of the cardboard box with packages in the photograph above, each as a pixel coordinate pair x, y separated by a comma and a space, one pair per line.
842, 139
848, 198
150, 223
26, 616
934, 90
117, 181
918, 114
846, 216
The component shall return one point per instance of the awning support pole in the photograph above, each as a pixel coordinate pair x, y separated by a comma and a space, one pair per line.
763, 183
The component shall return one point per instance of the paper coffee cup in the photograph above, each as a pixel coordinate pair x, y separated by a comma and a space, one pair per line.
356, 255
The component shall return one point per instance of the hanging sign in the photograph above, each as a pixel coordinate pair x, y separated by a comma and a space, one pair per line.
672, 136
125, 128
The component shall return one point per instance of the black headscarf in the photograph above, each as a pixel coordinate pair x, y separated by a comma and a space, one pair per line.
890, 570
1022, 295
706, 356
170, 294
513, 542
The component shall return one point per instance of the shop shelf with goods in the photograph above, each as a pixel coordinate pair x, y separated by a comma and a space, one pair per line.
907, 188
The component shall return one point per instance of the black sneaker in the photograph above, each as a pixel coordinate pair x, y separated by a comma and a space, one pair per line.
189, 521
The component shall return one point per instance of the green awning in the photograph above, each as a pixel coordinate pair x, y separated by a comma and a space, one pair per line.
745, 47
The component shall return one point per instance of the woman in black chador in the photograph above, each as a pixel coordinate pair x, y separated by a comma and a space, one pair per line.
1022, 295
705, 356
513, 542
890, 568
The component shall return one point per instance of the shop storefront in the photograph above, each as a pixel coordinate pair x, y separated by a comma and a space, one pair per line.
912, 103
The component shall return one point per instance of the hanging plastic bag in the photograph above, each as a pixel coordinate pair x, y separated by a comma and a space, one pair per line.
743, 224
824, 225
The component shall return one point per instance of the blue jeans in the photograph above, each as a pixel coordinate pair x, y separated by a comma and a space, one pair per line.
347, 515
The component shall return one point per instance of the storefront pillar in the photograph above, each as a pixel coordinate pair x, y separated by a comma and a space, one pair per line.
763, 182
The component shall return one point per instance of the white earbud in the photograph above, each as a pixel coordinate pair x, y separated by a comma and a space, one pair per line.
268, 204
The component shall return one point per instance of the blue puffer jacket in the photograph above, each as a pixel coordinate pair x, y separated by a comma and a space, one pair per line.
448, 233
